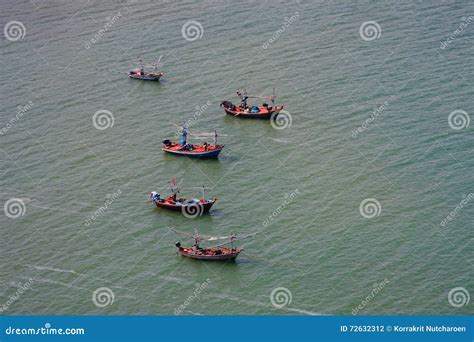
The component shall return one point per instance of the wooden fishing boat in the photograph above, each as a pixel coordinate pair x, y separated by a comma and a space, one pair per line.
252, 112
140, 73
192, 207
216, 253
185, 205
199, 253
192, 150
182, 148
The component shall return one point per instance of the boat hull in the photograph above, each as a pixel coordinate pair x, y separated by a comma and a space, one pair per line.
261, 115
199, 208
227, 254
194, 154
145, 77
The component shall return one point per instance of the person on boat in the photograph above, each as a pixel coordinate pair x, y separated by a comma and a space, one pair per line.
183, 139
155, 196
243, 100
206, 145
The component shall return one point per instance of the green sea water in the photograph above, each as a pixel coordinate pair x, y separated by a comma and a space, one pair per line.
358, 187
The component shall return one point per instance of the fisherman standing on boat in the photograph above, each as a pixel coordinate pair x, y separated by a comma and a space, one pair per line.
183, 138
243, 102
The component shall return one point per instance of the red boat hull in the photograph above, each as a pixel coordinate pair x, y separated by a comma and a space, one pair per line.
263, 114
210, 253
203, 207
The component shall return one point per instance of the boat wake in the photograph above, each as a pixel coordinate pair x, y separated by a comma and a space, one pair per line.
46, 268
255, 303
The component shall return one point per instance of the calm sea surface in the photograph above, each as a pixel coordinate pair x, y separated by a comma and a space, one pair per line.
358, 185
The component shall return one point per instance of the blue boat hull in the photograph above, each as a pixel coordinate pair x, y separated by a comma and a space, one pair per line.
145, 77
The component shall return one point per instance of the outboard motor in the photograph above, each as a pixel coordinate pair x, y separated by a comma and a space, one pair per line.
167, 142
227, 104
178, 244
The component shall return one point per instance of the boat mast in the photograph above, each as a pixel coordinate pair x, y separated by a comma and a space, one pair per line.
215, 137
197, 238
140, 65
